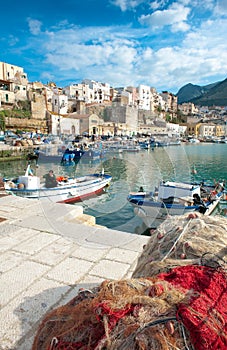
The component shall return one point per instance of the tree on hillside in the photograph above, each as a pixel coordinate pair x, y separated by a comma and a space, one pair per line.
2, 122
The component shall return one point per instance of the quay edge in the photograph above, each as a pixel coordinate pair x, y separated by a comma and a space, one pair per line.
48, 252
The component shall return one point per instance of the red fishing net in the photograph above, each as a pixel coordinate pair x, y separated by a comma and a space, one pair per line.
185, 308
205, 315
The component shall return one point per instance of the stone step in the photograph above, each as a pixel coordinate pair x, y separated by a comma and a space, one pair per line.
84, 219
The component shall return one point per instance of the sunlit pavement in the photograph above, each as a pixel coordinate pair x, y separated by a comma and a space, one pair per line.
47, 253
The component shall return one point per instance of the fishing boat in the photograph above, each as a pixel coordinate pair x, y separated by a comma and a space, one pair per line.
45, 157
68, 157
144, 144
68, 190
223, 204
174, 198
77, 154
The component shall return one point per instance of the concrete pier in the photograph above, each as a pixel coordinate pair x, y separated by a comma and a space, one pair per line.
47, 253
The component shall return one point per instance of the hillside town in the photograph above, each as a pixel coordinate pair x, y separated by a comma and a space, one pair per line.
95, 108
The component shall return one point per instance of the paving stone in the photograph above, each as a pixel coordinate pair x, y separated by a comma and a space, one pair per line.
136, 244
90, 252
36, 222
23, 312
18, 202
30, 211
13, 212
26, 344
6, 228
9, 260
61, 211
23, 234
89, 282
45, 259
131, 270
36, 243
72, 293
7, 243
8, 209
76, 232
110, 237
55, 252
70, 270
122, 255
15, 281
109, 269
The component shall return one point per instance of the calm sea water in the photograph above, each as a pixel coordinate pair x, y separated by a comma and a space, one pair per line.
131, 170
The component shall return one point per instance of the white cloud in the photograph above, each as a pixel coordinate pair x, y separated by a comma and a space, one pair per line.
198, 4
119, 55
180, 27
34, 26
221, 7
91, 53
127, 4
157, 4
12, 40
175, 16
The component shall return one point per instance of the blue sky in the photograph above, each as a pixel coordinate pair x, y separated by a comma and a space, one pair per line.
163, 44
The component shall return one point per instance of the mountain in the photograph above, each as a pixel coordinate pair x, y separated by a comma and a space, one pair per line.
215, 96
189, 92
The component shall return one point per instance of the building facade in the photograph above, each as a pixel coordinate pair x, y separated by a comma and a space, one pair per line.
101, 91
188, 108
13, 83
144, 97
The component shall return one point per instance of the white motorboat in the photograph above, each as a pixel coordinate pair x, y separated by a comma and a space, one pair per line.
68, 190
174, 198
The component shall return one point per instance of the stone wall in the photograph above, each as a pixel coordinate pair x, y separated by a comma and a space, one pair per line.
26, 124
38, 119
38, 107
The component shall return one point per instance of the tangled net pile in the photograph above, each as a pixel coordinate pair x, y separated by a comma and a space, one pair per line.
185, 240
176, 298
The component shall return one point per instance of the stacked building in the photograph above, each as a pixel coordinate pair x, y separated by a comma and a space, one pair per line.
89, 107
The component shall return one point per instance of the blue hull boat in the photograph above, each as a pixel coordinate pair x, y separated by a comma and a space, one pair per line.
174, 198
77, 154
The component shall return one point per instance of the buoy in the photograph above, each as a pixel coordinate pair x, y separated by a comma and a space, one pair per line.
170, 327
194, 171
156, 290
20, 186
12, 184
192, 216
160, 235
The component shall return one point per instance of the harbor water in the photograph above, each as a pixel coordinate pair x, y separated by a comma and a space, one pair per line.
131, 170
